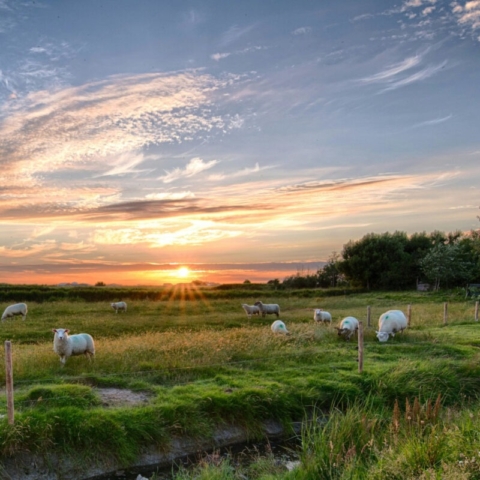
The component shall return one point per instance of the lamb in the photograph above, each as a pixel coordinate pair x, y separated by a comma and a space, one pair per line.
348, 326
119, 306
250, 310
390, 323
17, 309
320, 315
65, 345
279, 327
268, 308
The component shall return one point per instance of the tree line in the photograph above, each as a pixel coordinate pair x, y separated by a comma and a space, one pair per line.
397, 261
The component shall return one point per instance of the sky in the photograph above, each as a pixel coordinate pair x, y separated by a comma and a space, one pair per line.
241, 140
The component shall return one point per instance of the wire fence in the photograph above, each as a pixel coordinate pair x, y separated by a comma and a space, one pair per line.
170, 376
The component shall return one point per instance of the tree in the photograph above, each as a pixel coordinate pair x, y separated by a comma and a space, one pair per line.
378, 261
447, 264
329, 275
100, 284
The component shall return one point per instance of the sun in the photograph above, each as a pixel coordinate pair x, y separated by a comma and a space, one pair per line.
183, 272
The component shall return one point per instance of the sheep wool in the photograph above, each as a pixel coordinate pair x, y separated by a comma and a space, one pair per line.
65, 345
17, 309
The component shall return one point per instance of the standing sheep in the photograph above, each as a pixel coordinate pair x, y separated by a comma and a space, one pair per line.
119, 306
268, 308
279, 327
250, 310
320, 315
348, 326
65, 345
17, 309
390, 323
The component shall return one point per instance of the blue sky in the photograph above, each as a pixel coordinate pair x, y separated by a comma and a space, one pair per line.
139, 136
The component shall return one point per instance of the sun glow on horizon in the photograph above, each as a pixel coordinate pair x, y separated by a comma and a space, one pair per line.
182, 272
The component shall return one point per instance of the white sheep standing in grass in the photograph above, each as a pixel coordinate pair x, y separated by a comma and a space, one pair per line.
390, 323
320, 315
348, 326
268, 308
279, 327
119, 306
65, 345
17, 309
250, 310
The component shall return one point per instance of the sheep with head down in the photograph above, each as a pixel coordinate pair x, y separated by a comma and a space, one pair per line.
279, 327
390, 323
16, 309
65, 345
348, 326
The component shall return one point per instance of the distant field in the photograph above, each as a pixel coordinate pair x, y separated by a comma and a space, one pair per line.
202, 361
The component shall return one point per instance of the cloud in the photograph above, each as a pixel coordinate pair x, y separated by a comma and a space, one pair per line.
392, 75
468, 16
170, 195
234, 33
197, 233
392, 70
219, 56
435, 121
49, 131
194, 167
241, 173
124, 164
302, 31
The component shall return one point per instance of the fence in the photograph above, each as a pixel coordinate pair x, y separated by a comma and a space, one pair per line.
9, 362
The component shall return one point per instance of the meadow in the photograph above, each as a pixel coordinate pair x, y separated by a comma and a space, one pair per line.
201, 363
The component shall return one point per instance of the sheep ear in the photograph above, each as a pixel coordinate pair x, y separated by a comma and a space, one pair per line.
67, 330
54, 330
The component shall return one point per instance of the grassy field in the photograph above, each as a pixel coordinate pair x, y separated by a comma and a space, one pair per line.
203, 363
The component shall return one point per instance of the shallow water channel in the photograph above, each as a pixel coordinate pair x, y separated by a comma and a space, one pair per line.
285, 452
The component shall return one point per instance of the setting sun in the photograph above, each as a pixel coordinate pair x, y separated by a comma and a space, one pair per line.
183, 272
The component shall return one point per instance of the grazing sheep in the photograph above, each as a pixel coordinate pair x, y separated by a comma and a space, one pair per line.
250, 310
17, 309
348, 326
119, 306
268, 308
279, 327
65, 345
320, 315
390, 323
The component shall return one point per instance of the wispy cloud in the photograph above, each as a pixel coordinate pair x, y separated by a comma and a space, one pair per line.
394, 76
434, 121
241, 173
48, 131
234, 33
194, 167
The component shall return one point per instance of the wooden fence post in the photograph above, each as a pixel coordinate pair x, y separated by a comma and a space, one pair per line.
9, 381
368, 316
445, 313
360, 347
476, 311
409, 314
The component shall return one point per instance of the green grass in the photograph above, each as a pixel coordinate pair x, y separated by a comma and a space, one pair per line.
203, 363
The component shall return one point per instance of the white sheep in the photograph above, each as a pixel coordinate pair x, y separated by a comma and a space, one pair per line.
65, 345
119, 306
348, 326
250, 310
320, 315
279, 327
17, 309
390, 323
268, 308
